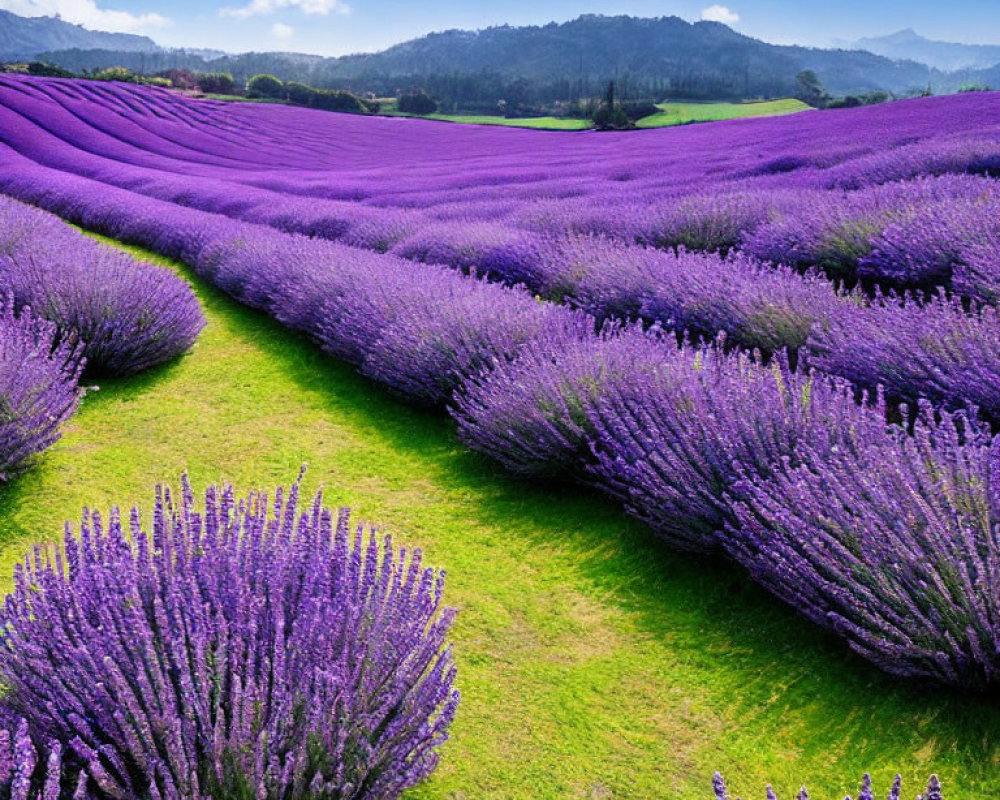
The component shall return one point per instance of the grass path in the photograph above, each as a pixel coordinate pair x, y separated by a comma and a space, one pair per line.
594, 663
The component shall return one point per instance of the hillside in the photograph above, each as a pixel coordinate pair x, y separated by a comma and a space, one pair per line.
664, 57
666, 49
26, 37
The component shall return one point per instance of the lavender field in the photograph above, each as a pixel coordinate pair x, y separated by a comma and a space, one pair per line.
774, 343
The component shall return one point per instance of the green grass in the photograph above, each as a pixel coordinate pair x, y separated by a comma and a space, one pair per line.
594, 663
239, 98
683, 113
671, 114
539, 123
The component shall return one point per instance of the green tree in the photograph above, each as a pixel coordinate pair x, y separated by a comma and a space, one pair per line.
265, 85
216, 82
809, 89
417, 103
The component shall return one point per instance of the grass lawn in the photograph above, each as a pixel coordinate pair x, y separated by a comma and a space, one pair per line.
683, 113
593, 662
671, 114
541, 123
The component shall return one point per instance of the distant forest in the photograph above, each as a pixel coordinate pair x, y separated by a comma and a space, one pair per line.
664, 58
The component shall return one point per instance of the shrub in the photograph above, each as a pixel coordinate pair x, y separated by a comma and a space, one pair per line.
673, 450
417, 103
640, 109
38, 386
215, 82
299, 92
265, 86
328, 100
244, 649
129, 316
114, 74
916, 348
532, 415
893, 544
44, 69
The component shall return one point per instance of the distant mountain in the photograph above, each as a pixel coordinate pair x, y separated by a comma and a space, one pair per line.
945, 56
660, 57
594, 47
26, 37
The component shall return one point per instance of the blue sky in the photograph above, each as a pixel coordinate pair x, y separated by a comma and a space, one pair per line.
334, 27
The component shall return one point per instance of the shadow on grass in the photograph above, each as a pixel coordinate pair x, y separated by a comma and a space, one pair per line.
779, 662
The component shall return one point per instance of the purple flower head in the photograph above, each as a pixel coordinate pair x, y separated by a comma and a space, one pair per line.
129, 316
38, 385
893, 544
248, 647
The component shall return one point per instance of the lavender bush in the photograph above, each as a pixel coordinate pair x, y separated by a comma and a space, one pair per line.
38, 386
247, 649
673, 450
533, 414
28, 772
934, 349
129, 316
894, 545
755, 305
866, 791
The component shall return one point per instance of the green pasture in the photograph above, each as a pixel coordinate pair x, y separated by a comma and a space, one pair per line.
684, 113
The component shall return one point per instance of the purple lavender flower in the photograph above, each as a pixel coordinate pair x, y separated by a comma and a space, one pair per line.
933, 790
934, 349
893, 544
129, 316
672, 450
247, 649
38, 386
533, 415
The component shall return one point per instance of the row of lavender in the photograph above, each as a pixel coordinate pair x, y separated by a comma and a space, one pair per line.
888, 539
931, 231
71, 306
820, 206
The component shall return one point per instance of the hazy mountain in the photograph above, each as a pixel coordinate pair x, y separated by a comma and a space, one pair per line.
26, 37
660, 57
946, 56
596, 47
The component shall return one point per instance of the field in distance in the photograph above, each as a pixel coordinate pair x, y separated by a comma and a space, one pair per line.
670, 114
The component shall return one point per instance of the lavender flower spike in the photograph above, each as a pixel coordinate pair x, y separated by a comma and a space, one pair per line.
249, 648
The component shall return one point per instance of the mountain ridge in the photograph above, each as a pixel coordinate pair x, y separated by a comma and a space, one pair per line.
945, 56
653, 56
26, 37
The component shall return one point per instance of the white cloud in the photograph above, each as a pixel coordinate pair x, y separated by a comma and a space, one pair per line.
282, 31
721, 14
86, 13
261, 7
